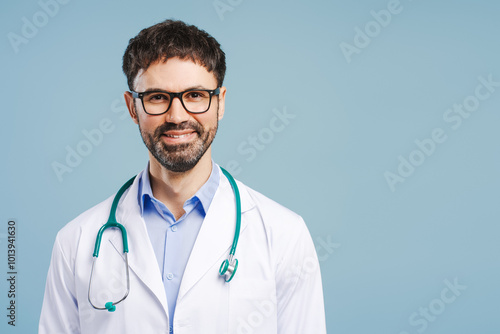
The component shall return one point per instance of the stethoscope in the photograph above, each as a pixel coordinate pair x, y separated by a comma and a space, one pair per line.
227, 268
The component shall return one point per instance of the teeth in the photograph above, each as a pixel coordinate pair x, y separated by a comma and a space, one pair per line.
181, 136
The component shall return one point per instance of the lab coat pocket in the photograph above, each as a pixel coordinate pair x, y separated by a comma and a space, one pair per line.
253, 306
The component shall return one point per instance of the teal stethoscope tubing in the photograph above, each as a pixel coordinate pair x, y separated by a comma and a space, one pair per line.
228, 267
110, 306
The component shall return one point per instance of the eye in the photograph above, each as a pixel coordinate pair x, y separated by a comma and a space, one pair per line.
157, 97
195, 95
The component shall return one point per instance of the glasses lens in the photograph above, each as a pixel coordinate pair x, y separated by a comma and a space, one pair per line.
196, 100
156, 102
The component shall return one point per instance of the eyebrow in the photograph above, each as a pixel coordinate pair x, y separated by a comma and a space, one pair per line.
154, 89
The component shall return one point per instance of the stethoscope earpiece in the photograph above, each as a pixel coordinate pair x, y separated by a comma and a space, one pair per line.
110, 307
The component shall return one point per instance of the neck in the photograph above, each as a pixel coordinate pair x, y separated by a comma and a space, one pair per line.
173, 188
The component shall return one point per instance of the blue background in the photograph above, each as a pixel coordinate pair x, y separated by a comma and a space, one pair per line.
391, 250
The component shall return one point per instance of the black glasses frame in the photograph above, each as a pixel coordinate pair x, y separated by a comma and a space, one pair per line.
140, 95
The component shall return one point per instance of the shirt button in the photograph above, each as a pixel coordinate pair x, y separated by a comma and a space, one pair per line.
174, 228
170, 276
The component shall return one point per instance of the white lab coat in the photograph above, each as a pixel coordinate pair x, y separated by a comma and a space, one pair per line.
276, 289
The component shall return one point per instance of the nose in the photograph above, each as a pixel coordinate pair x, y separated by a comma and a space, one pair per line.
176, 113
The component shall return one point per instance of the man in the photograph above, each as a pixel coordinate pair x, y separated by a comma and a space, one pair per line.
179, 215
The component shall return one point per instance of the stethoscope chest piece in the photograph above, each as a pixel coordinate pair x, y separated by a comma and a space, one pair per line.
228, 268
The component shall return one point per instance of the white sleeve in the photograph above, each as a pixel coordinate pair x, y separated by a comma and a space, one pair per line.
299, 290
60, 307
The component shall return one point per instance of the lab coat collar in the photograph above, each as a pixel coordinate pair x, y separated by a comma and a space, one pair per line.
141, 256
216, 234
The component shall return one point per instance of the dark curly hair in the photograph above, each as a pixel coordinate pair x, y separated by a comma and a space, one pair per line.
170, 39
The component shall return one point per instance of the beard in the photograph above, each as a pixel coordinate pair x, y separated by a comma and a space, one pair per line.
179, 157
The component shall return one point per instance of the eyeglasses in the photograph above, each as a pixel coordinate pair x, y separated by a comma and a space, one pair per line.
158, 102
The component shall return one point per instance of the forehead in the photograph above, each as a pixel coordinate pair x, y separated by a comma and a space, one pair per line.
174, 75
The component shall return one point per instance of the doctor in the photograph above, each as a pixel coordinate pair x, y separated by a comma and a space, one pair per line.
179, 214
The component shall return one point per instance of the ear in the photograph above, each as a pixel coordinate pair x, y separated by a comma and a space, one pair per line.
222, 102
129, 100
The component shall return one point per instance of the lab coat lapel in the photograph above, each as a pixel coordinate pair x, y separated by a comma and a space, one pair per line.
216, 234
141, 256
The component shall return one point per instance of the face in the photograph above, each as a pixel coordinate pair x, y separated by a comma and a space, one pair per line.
177, 139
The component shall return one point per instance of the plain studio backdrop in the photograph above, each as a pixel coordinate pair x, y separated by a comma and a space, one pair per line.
377, 121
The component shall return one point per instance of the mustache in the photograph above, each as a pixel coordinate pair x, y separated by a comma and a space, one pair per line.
181, 126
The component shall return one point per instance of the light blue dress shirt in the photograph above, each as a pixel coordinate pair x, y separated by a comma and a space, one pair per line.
172, 239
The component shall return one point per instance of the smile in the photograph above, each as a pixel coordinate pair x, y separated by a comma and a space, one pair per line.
179, 136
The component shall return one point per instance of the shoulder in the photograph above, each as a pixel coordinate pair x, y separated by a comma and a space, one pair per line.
93, 218
84, 225
68, 241
274, 215
286, 234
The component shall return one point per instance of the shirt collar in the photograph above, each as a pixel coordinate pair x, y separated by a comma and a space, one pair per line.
205, 194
